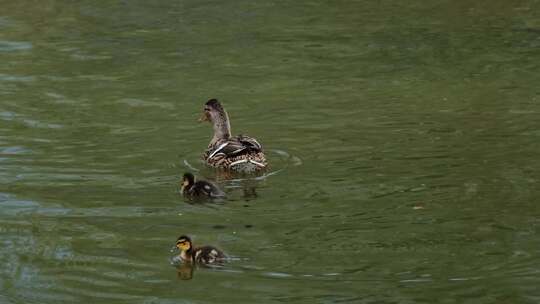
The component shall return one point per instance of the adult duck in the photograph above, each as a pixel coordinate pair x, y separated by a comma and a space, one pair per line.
239, 153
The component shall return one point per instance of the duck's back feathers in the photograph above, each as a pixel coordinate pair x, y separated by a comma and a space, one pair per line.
235, 146
209, 189
249, 142
240, 153
204, 189
208, 255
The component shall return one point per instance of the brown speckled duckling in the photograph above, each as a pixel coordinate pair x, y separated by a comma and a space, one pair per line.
239, 153
200, 255
199, 189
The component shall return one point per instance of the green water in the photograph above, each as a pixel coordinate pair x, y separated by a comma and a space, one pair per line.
404, 139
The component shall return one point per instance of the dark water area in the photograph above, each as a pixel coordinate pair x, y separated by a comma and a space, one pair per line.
403, 139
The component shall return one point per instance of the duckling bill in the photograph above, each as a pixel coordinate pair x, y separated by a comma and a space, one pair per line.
198, 255
239, 153
199, 189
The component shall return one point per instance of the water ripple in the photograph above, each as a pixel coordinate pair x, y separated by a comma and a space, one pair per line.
12, 116
13, 46
14, 78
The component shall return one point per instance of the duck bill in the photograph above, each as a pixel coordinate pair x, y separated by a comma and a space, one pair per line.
203, 117
183, 186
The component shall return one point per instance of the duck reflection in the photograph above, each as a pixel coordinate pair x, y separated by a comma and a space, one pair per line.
184, 271
247, 183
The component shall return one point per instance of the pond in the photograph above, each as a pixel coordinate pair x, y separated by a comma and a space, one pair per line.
403, 141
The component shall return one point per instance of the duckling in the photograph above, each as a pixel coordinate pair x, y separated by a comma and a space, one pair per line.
199, 255
239, 153
199, 189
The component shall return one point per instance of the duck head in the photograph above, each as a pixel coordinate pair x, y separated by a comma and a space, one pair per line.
183, 243
216, 114
187, 182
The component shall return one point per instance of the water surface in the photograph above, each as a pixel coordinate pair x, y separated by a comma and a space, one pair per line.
404, 138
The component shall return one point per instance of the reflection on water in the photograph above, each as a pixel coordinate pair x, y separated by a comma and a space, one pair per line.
402, 137
185, 271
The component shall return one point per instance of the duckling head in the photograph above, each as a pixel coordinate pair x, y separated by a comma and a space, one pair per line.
187, 182
183, 243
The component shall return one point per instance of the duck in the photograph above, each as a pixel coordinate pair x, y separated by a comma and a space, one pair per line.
240, 153
205, 255
199, 189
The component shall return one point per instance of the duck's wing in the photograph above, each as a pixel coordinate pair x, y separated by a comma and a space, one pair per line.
249, 142
209, 189
235, 146
209, 255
